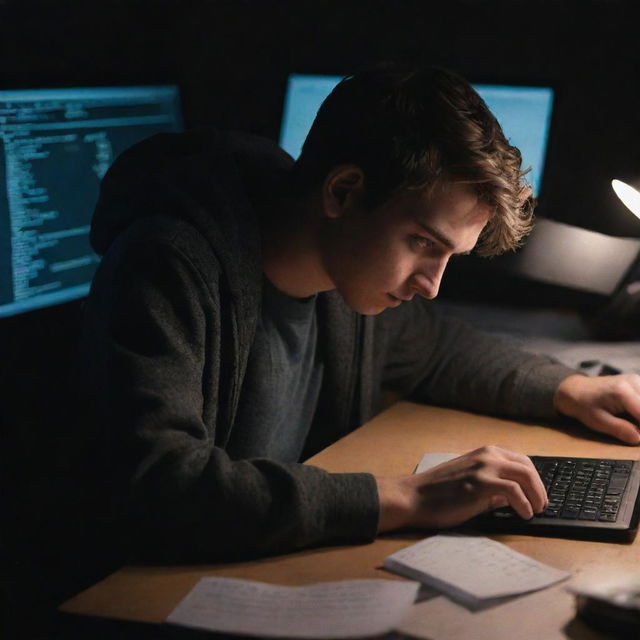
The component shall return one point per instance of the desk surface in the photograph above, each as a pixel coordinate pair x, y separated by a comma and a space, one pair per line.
391, 444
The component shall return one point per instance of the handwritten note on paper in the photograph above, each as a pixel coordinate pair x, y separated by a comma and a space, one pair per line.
471, 568
346, 609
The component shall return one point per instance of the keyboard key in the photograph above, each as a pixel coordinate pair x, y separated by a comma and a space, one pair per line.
608, 517
571, 512
618, 482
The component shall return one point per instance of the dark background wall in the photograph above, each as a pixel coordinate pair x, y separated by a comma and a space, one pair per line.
231, 60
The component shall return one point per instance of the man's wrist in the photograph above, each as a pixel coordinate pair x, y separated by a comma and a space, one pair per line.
563, 397
395, 503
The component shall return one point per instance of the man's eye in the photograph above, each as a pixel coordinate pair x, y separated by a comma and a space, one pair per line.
421, 242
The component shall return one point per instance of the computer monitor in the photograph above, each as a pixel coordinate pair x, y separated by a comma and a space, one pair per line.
55, 147
523, 112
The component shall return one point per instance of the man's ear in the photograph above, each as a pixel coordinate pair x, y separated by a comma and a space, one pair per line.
343, 186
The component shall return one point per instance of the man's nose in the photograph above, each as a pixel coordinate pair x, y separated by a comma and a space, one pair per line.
427, 281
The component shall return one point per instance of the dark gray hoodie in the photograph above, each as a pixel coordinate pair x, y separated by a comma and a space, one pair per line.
169, 324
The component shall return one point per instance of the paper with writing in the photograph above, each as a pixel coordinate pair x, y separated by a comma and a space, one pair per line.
472, 568
345, 609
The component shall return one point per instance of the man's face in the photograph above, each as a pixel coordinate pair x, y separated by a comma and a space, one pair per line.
379, 257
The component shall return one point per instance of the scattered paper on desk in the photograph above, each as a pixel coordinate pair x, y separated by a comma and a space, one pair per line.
345, 609
430, 460
472, 569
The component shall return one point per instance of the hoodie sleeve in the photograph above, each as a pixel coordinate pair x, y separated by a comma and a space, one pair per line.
443, 360
153, 352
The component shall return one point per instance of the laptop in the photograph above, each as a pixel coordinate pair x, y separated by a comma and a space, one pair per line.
590, 498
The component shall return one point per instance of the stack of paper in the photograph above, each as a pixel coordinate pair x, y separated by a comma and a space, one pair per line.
472, 570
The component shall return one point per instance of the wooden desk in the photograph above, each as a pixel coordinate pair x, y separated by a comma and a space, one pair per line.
392, 444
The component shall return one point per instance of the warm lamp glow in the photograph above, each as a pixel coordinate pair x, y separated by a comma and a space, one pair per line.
628, 195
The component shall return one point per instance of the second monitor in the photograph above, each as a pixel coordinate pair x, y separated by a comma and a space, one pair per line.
55, 147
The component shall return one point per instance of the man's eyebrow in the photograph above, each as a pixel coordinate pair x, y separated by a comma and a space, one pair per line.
442, 238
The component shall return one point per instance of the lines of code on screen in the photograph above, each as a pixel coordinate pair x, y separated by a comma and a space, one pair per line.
55, 147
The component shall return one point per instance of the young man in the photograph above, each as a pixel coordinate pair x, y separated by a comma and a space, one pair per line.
249, 310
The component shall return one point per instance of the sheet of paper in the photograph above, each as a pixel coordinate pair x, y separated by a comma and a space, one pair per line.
430, 460
346, 609
472, 569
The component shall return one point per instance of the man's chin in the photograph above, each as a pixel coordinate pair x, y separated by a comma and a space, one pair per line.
368, 309
373, 312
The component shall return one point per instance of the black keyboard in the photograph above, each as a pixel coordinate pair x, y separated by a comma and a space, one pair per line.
588, 498
580, 489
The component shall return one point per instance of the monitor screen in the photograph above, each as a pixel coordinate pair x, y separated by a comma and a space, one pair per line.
55, 147
523, 112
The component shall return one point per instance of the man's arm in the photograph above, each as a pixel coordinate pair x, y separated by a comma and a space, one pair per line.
444, 360
456, 365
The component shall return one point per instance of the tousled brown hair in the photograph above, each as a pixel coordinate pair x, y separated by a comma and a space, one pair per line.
413, 129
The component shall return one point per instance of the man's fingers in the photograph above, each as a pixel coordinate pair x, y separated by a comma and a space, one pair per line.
498, 501
630, 400
530, 482
514, 494
615, 426
525, 473
602, 403
514, 466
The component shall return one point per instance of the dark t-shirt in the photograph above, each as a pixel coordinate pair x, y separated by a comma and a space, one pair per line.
282, 383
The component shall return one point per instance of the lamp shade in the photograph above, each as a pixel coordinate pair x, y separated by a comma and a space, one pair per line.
629, 196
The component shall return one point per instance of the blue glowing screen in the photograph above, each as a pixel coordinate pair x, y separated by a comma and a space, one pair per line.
523, 112
55, 147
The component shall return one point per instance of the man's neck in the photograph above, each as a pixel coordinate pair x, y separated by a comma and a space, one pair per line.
291, 258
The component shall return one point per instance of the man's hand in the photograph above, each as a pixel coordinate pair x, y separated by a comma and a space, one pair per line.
600, 403
459, 489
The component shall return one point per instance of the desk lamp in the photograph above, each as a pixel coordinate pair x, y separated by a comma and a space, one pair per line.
620, 320
629, 196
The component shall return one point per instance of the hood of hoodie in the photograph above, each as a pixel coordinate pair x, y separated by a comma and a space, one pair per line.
214, 180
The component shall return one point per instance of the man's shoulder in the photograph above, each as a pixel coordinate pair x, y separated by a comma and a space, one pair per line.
165, 239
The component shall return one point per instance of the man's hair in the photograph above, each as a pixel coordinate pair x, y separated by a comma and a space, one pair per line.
417, 129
